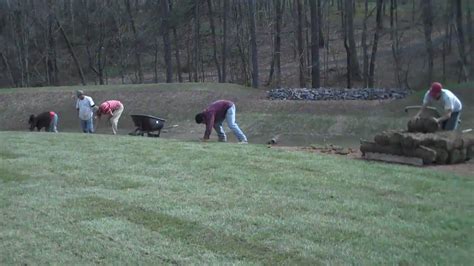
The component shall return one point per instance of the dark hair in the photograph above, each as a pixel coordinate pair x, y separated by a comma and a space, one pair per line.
32, 122
199, 118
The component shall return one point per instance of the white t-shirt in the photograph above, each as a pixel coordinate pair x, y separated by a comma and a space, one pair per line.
448, 100
85, 107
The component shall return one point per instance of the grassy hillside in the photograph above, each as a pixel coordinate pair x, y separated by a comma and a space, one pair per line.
84, 199
297, 123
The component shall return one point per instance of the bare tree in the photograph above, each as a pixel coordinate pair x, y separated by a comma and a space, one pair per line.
214, 42
315, 76
470, 33
352, 49
378, 29
345, 31
301, 58
224, 40
253, 42
52, 71
461, 39
137, 41
176, 47
428, 28
364, 45
196, 40
9, 70
71, 51
276, 57
165, 16
395, 40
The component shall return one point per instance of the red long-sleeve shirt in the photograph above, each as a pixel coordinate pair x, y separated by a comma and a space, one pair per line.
215, 113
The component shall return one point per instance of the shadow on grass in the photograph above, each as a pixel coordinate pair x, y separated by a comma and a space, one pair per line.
8, 175
6, 154
188, 231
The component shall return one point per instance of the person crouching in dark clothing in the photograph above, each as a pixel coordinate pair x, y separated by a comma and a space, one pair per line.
48, 120
213, 117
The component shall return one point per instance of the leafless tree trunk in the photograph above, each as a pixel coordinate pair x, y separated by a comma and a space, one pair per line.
214, 42
378, 29
354, 59
315, 76
276, 57
345, 30
73, 54
224, 40
118, 23
320, 23
253, 42
9, 70
461, 39
137, 41
241, 42
470, 33
395, 40
196, 41
364, 44
301, 57
166, 39
428, 28
51, 59
155, 60
176, 47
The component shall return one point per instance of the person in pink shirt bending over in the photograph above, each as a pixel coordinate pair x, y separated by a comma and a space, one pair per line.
113, 109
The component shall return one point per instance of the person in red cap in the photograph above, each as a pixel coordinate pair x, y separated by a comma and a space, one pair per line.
449, 120
113, 109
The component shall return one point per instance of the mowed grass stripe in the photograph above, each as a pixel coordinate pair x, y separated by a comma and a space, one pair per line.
104, 199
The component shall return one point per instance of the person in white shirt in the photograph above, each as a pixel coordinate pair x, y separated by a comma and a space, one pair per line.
85, 109
449, 120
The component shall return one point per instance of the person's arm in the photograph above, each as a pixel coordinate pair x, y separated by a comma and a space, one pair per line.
209, 124
91, 102
77, 106
448, 110
444, 117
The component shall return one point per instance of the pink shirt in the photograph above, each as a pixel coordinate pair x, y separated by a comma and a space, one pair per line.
108, 107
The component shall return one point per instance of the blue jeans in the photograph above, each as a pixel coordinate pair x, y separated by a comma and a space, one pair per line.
452, 122
230, 118
87, 125
53, 125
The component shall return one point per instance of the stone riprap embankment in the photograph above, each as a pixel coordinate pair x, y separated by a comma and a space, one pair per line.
326, 94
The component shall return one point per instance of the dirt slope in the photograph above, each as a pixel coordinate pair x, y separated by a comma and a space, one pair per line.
297, 122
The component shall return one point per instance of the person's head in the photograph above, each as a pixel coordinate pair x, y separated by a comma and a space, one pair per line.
435, 90
32, 122
80, 94
199, 118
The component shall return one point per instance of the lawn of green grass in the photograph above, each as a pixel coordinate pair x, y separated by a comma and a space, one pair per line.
84, 199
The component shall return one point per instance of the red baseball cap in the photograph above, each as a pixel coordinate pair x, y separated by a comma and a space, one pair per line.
435, 88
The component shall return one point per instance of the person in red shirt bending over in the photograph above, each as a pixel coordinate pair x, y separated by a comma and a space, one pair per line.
214, 115
113, 109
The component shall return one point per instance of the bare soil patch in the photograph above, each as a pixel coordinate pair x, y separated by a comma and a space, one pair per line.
463, 169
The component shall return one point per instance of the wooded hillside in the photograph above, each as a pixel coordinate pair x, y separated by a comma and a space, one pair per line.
264, 43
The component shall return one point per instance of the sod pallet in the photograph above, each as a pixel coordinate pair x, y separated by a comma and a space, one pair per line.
441, 147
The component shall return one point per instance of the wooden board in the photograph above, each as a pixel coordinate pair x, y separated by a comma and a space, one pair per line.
393, 158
